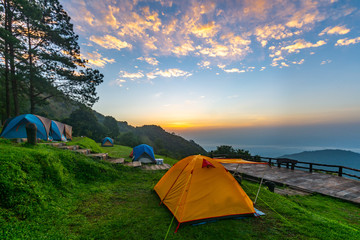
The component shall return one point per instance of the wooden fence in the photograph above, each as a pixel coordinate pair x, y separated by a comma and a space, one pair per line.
311, 167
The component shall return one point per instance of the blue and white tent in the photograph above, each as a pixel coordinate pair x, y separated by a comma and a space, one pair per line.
57, 131
15, 127
107, 142
144, 153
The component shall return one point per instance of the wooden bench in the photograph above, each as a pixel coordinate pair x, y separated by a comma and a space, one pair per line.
287, 161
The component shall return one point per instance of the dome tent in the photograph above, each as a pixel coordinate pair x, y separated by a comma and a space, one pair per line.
144, 154
199, 188
107, 142
16, 127
57, 131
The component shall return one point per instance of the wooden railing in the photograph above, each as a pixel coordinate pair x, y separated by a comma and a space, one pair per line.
312, 167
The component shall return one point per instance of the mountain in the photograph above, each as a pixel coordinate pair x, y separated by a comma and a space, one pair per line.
161, 139
328, 156
164, 143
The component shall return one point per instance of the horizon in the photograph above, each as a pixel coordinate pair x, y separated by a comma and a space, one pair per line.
219, 66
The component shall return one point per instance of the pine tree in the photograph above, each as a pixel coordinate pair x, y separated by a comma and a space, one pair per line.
41, 56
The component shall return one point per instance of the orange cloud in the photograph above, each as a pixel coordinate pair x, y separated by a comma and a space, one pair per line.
346, 41
184, 49
267, 32
205, 31
341, 30
149, 60
301, 44
96, 59
307, 14
110, 42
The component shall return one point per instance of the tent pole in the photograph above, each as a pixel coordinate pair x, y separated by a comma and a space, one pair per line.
262, 178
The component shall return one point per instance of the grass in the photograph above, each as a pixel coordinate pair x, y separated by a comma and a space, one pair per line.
48, 193
86, 143
118, 151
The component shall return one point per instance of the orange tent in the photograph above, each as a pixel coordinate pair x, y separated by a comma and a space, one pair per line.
198, 188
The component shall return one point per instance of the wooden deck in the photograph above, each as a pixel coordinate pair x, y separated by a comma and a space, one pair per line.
327, 184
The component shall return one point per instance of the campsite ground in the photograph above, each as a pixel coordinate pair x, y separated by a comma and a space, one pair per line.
48, 193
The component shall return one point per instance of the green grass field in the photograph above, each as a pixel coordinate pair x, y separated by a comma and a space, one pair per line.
47, 193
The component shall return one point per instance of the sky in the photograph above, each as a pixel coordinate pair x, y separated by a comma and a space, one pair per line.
205, 69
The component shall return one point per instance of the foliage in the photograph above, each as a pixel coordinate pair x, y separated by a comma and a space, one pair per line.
111, 126
85, 123
230, 152
128, 139
41, 57
167, 143
57, 194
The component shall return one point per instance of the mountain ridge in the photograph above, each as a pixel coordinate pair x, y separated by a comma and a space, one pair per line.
328, 156
163, 142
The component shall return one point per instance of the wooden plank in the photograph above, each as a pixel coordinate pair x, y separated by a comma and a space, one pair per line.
116, 160
101, 156
327, 184
83, 151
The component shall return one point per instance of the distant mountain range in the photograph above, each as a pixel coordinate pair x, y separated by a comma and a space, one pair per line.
328, 156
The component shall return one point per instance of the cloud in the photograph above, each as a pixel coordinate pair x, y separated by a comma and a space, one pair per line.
110, 42
131, 76
301, 44
325, 62
265, 33
234, 70
222, 66
172, 72
299, 62
278, 58
204, 64
341, 30
262, 68
151, 75
96, 59
346, 41
184, 49
118, 82
306, 14
207, 30
284, 64
149, 60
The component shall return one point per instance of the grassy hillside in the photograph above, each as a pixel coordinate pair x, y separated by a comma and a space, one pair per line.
47, 193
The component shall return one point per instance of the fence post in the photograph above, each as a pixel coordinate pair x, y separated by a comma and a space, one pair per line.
340, 171
310, 167
292, 166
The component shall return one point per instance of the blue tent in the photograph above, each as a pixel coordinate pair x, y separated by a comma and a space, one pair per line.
15, 127
144, 153
107, 142
57, 131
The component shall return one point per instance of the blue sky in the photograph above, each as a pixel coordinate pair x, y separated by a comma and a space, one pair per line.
198, 65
